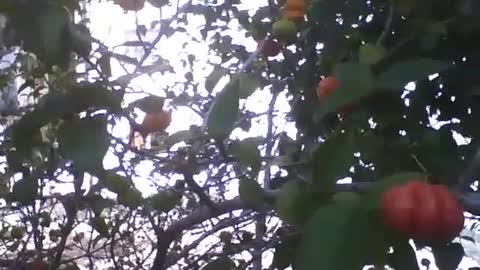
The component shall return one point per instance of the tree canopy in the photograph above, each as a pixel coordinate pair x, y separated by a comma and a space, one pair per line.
228, 134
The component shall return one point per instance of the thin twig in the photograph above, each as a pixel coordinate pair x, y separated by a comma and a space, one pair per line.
388, 25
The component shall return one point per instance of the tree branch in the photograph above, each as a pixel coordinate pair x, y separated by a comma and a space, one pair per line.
470, 202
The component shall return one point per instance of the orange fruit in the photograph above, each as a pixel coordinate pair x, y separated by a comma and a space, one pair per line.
295, 5
293, 15
155, 122
134, 5
294, 10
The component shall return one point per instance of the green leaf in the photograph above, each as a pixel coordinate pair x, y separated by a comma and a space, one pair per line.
403, 72
114, 182
177, 137
165, 200
105, 65
97, 203
251, 193
131, 198
335, 238
247, 153
223, 263
437, 152
331, 161
295, 202
403, 256
448, 257
356, 81
45, 33
223, 112
99, 224
149, 104
214, 77
377, 189
283, 255
85, 141
247, 84
370, 53
93, 95
25, 190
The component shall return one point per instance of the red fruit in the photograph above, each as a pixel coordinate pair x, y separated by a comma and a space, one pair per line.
154, 122
327, 86
423, 212
270, 47
38, 264
134, 5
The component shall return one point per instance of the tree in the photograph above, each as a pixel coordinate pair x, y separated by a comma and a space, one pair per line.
376, 92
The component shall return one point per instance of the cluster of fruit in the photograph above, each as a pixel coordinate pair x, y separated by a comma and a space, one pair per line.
284, 29
424, 212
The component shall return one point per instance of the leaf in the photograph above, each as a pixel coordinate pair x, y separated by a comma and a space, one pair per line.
149, 104
403, 256
165, 200
332, 235
114, 182
356, 81
45, 34
370, 53
177, 137
403, 72
437, 152
331, 160
93, 95
214, 77
247, 84
97, 203
295, 202
105, 64
85, 141
99, 224
283, 255
377, 188
448, 257
25, 190
125, 59
251, 193
247, 153
223, 263
223, 112
131, 198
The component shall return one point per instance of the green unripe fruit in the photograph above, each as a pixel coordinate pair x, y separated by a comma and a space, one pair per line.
284, 30
371, 54
295, 203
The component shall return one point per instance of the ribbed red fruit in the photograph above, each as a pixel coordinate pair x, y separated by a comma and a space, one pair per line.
424, 212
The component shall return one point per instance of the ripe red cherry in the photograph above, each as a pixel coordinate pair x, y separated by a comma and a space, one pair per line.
426, 213
327, 86
270, 47
38, 264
